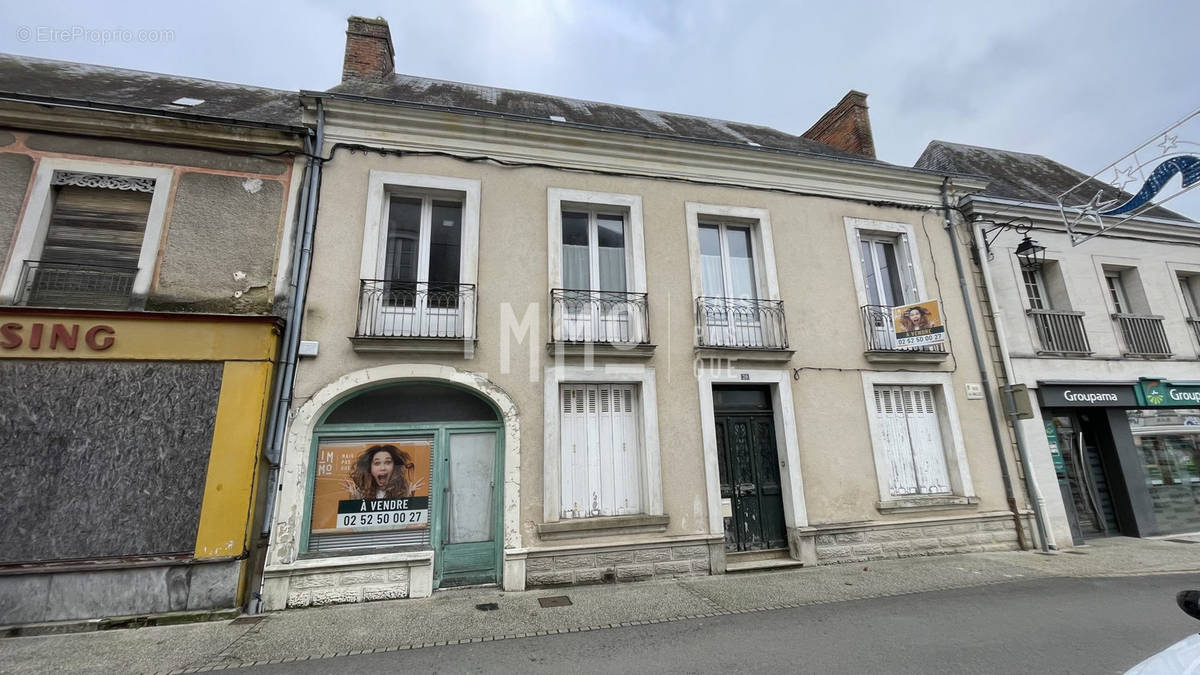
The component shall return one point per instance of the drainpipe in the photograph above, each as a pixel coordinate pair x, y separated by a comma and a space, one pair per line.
1034, 492
286, 374
983, 370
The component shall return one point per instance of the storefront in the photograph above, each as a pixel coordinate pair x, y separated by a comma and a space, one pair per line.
132, 456
1125, 455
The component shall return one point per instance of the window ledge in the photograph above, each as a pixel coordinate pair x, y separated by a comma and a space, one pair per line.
741, 354
905, 356
415, 345
926, 503
616, 349
603, 525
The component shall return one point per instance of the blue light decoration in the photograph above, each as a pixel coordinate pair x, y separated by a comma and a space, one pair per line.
1188, 165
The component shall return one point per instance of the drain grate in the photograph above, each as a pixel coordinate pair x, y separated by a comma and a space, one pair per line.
246, 619
554, 601
1184, 541
487, 607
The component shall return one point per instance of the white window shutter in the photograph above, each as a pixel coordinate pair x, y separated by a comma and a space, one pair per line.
573, 429
929, 454
600, 451
889, 411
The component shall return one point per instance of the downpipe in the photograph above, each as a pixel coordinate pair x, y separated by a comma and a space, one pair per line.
989, 398
1033, 490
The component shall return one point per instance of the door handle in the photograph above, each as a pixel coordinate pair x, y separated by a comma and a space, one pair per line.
745, 489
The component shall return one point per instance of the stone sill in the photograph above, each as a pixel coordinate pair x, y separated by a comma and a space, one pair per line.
626, 350
903, 356
415, 345
739, 354
603, 526
343, 562
926, 504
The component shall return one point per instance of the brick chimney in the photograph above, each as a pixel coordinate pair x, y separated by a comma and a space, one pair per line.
846, 126
369, 52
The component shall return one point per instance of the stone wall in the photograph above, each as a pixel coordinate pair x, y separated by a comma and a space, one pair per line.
334, 588
624, 564
860, 544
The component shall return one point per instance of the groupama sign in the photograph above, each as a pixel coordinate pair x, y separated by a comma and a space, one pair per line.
1166, 394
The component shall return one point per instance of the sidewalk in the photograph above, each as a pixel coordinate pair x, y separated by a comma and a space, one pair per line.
451, 617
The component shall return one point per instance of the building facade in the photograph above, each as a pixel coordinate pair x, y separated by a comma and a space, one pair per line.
146, 225
553, 341
1104, 336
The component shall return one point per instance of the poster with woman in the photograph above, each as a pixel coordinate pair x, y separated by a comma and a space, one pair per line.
918, 324
371, 485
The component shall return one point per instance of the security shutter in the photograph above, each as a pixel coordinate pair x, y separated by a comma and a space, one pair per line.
600, 450
912, 437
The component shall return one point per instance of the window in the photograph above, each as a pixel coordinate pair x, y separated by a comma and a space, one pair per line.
1035, 289
600, 450
89, 235
601, 444
1116, 292
1187, 287
419, 258
916, 437
733, 277
597, 267
886, 275
886, 270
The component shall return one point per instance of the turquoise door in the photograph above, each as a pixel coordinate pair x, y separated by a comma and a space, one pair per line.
467, 545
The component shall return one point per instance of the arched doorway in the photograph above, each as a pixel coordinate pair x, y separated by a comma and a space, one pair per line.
410, 464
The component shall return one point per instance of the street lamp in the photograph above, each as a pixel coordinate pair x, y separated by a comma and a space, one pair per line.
1031, 254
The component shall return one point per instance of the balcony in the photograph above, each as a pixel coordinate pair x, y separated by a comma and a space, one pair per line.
1143, 335
880, 333
747, 325
56, 284
610, 322
415, 316
1060, 332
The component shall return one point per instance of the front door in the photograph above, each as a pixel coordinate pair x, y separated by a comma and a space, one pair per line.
1085, 482
467, 550
749, 468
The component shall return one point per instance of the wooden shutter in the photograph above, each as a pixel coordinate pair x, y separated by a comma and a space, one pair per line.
893, 428
600, 450
929, 455
96, 226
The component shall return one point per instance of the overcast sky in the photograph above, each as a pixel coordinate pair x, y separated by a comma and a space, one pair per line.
1080, 82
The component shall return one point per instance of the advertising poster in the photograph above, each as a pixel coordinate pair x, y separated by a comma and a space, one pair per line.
371, 486
919, 324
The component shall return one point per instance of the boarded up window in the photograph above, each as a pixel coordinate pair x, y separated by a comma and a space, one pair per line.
912, 437
600, 450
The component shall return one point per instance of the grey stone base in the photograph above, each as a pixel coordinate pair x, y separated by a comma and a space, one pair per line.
625, 564
879, 541
134, 591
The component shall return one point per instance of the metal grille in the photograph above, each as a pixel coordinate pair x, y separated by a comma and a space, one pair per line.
415, 309
1195, 323
880, 332
1060, 331
1143, 335
54, 284
742, 323
612, 317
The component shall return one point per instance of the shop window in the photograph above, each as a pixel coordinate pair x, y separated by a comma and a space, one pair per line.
601, 450
88, 237
1169, 443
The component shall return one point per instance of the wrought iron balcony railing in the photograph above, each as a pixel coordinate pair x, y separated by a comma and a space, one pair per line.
880, 332
1143, 335
55, 284
599, 317
740, 323
415, 309
1195, 323
1060, 332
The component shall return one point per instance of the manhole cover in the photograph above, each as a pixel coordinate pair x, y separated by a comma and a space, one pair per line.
247, 619
554, 601
487, 607
1184, 541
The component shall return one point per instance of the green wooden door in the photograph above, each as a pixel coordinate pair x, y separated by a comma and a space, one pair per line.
749, 468
467, 543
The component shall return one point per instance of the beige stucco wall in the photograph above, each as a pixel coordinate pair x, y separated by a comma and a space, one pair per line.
815, 277
226, 215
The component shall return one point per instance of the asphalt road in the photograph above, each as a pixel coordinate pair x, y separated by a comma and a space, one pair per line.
1096, 625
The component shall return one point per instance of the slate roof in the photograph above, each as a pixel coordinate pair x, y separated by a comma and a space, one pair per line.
30, 78
422, 91
1021, 176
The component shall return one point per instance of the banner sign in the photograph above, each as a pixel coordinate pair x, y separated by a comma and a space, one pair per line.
371, 486
1086, 396
919, 324
1167, 394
